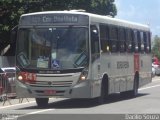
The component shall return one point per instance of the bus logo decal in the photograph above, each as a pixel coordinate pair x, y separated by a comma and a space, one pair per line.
49, 83
122, 64
55, 64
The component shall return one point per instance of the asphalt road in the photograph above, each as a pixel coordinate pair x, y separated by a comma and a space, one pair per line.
115, 107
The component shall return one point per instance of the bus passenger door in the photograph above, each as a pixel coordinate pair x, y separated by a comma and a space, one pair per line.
95, 60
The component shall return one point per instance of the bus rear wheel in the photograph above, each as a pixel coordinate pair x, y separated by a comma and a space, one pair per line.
134, 92
42, 102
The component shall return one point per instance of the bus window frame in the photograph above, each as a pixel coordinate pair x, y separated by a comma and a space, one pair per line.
135, 41
104, 38
113, 41
147, 44
142, 41
129, 40
121, 39
96, 39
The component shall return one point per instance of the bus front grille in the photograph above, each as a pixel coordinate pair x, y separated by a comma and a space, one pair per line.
51, 84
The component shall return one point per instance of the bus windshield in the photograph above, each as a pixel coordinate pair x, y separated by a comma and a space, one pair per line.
52, 47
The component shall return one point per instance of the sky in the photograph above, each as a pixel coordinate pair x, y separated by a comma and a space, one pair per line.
140, 11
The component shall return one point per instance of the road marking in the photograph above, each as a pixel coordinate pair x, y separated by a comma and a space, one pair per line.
38, 112
31, 113
148, 87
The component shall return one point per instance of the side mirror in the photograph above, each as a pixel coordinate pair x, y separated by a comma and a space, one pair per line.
22, 59
13, 35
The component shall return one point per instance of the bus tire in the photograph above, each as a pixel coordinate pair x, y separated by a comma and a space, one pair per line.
134, 92
42, 102
104, 92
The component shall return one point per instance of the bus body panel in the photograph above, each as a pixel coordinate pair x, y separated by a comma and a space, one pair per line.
50, 87
145, 70
119, 67
120, 70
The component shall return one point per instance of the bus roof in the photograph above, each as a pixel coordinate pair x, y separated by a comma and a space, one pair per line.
98, 18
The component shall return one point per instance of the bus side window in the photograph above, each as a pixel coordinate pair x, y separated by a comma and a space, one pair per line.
135, 38
121, 40
142, 41
94, 40
147, 43
129, 39
139, 41
113, 36
104, 38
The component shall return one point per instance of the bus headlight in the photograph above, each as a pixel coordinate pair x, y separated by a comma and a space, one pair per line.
20, 77
83, 75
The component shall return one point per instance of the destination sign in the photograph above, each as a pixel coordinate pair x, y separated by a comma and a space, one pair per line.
42, 19
60, 19
55, 19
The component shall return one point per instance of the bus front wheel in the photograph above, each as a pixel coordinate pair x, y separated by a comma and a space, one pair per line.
42, 102
104, 93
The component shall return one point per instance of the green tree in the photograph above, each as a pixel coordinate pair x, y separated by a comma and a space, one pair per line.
156, 47
10, 11
102, 7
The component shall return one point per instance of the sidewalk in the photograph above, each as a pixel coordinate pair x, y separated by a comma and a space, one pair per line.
11, 101
156, 78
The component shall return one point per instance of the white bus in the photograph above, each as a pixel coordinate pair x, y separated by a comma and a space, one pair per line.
80, 55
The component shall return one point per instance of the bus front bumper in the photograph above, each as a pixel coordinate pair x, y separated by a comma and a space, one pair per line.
80, 90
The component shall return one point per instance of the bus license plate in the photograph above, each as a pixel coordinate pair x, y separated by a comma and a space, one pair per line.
49, 92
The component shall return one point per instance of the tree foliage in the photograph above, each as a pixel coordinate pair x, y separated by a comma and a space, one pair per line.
156, 47
10, 11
